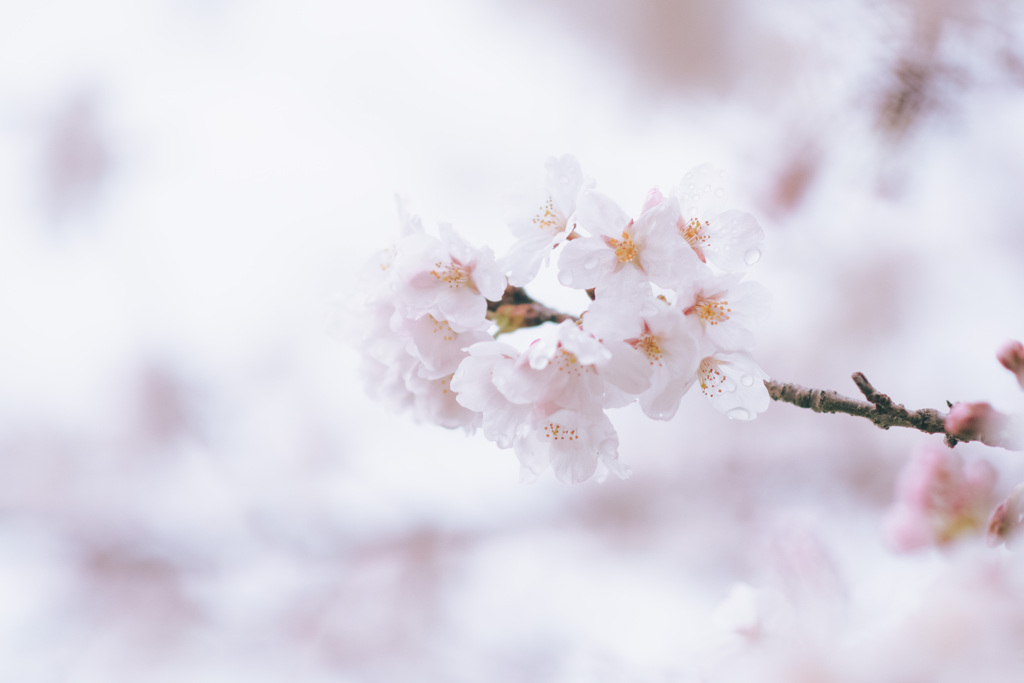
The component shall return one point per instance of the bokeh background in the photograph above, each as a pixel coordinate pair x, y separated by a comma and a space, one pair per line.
194, 486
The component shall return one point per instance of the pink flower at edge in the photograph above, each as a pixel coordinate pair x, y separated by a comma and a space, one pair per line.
939, 499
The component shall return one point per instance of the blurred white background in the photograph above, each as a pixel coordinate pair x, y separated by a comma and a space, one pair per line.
193, 486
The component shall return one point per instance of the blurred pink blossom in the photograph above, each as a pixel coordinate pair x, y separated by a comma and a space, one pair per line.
1011, 355
939, 499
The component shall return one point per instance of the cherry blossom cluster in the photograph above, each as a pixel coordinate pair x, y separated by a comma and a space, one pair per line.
669, 310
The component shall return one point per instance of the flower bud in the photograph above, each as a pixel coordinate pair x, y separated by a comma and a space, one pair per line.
1011, 355
1006, 519
976, 422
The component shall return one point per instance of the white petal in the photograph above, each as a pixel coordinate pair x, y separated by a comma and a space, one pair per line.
598, 214
734, 384
736, 241
584, 262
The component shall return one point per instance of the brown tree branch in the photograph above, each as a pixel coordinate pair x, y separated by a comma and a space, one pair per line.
517, 309
884, 412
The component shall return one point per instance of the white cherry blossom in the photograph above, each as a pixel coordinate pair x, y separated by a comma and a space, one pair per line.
734, 384
569, 368
577, 445
473, 382
725, 308
621, 252
728, 239
446, 278
434, 401
434, 343
655, 334
550, 223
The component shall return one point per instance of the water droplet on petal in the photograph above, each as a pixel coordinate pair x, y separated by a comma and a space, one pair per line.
591, 262
728, 385
747, 381
738, 414
719, 192
752, 256
691, 187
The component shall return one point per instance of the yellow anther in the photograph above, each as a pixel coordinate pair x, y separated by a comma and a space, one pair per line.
547, 217
712, 311
625, 249
451, 273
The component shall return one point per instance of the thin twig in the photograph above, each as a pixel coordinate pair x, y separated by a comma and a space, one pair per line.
879, 409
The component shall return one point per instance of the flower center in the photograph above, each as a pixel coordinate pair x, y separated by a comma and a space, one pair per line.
557, 432
695, 233
454, 274
711, 378
710, 311
547, 218
567, 362
649, 346
443, 328
625, 249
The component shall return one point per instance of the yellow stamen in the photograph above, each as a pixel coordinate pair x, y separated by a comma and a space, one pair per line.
452, 273
547, 217
625, 249
649, 346
711, 378
695, 233
559, 432
712, 311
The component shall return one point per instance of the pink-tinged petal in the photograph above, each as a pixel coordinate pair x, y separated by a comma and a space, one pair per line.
736, 241
662, 400
458, 248
599, 215
575, 444
627, 370
654, 197
623, 281
463, 308
615, 318
907, 529
524, 259
436, 345
435, 401
1011, 357
548, 217
584, 262
487, 276
587, 348
939, 499
564, 182
734, 384
475, 389
725, 309
703, 191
